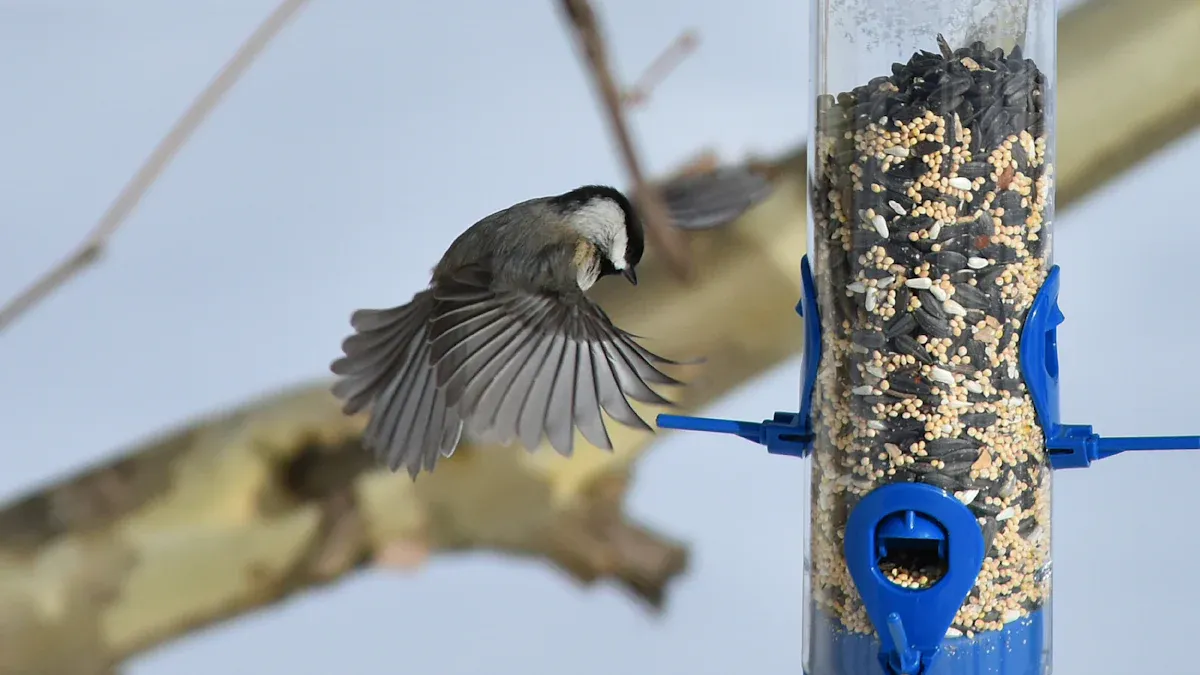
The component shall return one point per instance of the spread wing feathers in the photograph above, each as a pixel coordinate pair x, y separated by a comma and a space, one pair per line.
518, 365
387, 367
715, 198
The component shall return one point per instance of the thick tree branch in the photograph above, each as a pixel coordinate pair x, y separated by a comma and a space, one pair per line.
230, 515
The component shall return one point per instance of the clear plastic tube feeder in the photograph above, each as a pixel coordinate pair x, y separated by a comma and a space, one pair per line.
929, 400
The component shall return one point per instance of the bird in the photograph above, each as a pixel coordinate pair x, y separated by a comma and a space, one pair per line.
504, 344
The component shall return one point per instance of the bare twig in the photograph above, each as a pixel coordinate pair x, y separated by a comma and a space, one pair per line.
93, 245
668, 240
660, 68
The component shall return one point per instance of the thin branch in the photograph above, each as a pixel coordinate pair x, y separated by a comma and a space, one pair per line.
668, 240
93, 245
660, 68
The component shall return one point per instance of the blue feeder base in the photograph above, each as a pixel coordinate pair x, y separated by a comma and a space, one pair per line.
1021, 648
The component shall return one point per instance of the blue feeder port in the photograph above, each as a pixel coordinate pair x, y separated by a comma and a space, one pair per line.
921, 520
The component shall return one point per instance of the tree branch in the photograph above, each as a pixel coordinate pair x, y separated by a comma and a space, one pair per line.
668, 240
93, 245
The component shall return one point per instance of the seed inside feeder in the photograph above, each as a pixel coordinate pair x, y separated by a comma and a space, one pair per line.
953, 152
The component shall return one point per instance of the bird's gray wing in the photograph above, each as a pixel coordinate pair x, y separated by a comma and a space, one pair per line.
715, 198
387, 367
522, 365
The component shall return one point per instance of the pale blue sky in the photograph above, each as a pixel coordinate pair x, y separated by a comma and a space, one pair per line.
332, 178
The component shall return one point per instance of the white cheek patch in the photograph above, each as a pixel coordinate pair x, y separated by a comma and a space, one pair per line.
603, 222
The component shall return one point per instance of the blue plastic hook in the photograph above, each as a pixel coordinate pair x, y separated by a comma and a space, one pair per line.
1069, 445
786, 433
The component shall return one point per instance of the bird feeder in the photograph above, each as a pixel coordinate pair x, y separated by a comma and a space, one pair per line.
929, 397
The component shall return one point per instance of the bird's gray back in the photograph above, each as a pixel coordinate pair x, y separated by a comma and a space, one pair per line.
525, 246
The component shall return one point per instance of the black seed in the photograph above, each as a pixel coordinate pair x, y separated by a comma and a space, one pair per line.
868, 338
863, 240
950, 261
982, 508
910, 169
1018, 82
938, 480
902, 199
906, 344
933, 326
956, 457
1011, 385
941, 446
970, 297
901, 324
1028, 525
959, 468
930, 304
1027, 500
861, 406
904, 255
875, 273
961, 277
906, 384
1014, 216
983, 226
926, 148
956, 342
987, 282
1007, 199
981, 420
919, 468
907, 425
974, 170
988, 528
958, 242
978, 354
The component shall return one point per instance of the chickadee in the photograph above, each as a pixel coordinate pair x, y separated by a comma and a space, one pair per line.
504, 342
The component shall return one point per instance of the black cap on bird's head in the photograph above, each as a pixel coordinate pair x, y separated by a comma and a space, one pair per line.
608, 219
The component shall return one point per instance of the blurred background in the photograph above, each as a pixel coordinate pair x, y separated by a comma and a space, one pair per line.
333, 176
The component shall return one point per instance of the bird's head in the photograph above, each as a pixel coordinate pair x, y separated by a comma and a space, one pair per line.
604, 216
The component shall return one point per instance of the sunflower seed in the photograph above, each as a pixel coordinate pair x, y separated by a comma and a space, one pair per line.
941, 375
919, 283
960, 183
897, 208
929, 303
935, 327
863, 390
970, 297
880, 225
938, 293
953, 308
905, 344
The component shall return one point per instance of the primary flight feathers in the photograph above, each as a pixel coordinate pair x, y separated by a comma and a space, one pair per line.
511, 365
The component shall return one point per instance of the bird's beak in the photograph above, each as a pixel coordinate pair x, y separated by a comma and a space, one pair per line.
630, 275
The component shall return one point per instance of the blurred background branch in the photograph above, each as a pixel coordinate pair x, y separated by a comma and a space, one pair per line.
663, 236
93, 245
233, 514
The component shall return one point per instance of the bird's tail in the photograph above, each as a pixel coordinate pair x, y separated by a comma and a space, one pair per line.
386, 367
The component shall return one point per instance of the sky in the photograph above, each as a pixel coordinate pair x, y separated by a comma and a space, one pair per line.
333, 177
